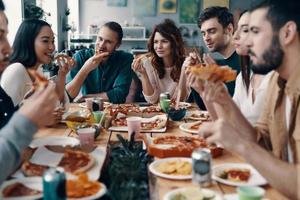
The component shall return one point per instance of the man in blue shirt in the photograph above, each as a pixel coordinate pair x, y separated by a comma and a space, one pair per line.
17, 133
104, 72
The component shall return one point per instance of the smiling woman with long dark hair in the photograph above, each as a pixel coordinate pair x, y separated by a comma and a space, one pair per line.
160, 69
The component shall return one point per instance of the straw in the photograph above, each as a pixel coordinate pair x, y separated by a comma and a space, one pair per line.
179, 89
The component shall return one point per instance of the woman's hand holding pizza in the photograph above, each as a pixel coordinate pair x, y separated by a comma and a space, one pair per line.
138, 67
65, 63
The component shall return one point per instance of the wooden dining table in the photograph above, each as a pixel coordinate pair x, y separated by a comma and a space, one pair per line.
160, 186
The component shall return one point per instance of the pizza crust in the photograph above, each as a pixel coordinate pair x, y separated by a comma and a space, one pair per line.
206, 72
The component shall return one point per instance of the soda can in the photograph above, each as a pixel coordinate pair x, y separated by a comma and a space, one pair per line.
163, 96
201, 162
54, 184
98, 104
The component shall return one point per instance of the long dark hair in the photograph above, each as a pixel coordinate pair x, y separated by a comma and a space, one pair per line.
168, 30
245, 65
23, 46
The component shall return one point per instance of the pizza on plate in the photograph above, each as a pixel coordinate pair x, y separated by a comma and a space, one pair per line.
207, 71
73, 161
31, 169
157, 122
126, 109
18, 189
236, 174
76, 161
177, 146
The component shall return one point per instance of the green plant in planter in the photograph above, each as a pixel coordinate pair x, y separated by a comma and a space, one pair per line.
128, 176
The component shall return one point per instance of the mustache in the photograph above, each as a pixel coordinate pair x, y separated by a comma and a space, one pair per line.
251, 53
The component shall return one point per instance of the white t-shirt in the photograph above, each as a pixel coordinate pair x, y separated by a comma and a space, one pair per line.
16, 82
251, 110
166, 84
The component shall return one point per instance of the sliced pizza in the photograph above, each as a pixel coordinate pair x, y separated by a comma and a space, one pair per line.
207, 71
31, 169
76, 161
19, 190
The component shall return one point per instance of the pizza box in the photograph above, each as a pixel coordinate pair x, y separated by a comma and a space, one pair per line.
173, 150
161, 129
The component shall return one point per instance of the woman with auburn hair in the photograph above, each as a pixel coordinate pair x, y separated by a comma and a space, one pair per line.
159, 70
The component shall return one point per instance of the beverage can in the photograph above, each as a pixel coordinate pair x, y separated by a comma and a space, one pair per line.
54, 184
201, 162
164, 95
98, 104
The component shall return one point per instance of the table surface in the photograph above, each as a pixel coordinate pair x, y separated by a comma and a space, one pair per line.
160, 186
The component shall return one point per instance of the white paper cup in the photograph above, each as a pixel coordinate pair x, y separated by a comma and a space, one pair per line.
86, 136
134, 125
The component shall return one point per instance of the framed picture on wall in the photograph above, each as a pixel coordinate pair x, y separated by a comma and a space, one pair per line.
189, 11
117, 3
167, 6
144, 8
209, 3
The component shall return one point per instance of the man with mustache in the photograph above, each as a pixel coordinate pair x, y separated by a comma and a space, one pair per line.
104, 72
274, 142
17, 128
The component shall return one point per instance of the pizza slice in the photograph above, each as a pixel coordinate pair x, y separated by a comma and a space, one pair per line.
76, 161
31, 169
40, 82
236, 174
19, 190
206, 72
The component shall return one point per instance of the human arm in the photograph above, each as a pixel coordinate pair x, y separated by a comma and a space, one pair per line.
138, 67
65, 64
268, 165
84, 65
11, 145
17, 134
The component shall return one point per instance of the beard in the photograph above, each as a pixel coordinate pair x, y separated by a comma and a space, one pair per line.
272, 58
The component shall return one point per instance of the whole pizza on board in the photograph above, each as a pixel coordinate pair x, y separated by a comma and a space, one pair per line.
179, 146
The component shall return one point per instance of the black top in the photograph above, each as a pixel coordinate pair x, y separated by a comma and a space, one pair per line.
7, 108
234, 62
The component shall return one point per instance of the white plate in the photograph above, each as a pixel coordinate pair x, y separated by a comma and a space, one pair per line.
44, 156
153, 166
54, 140
172, 193
186, 127
36, 183
99, 194
254, 180
197, 112
31, 182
